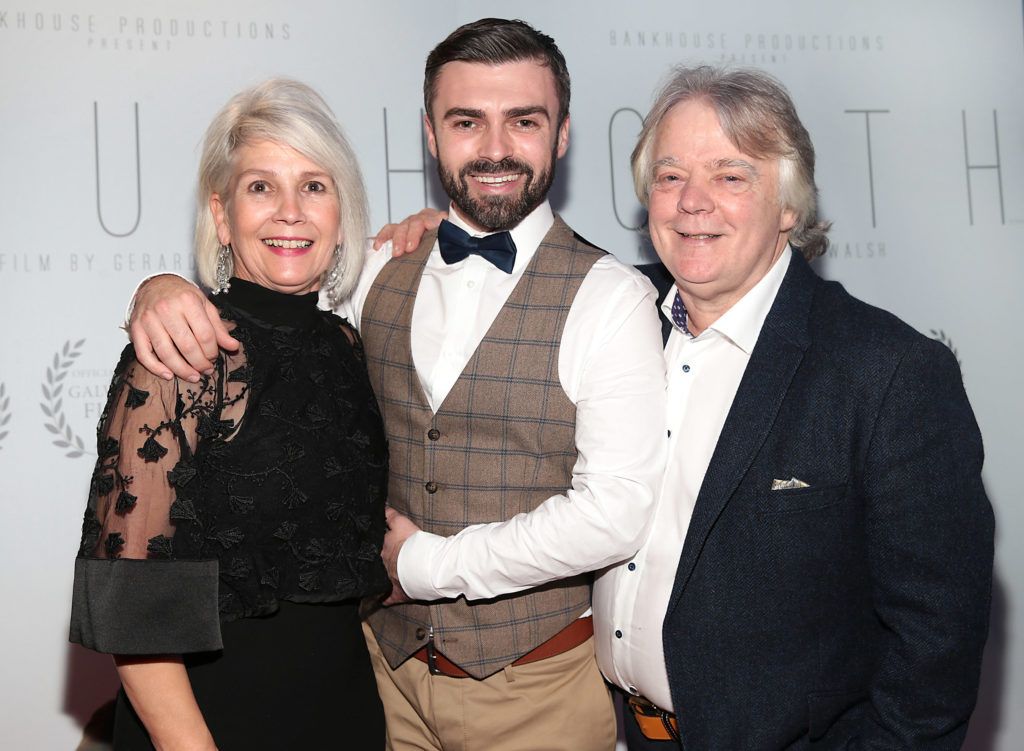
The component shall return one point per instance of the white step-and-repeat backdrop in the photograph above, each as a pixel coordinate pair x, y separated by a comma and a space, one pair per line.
916, 109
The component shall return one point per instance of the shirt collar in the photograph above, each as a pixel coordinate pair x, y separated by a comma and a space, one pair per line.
527, 235
742, 323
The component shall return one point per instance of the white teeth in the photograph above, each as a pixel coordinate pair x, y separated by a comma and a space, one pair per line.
494, 180
697, 237
292, 244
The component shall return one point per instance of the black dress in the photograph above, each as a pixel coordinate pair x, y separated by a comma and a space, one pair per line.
238, 522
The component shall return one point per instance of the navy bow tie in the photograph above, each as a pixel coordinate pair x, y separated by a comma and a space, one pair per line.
456, 244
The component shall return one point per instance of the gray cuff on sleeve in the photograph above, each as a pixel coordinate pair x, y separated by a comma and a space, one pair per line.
131, 607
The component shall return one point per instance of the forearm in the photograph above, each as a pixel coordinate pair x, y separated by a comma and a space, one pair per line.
160, 692
563, 537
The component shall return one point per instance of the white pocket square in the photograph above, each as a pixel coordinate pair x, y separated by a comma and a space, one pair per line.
791, 484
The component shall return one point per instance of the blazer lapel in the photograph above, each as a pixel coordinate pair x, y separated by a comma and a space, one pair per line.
780, 348
662, 281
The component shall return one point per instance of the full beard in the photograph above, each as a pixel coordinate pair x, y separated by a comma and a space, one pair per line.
497, 213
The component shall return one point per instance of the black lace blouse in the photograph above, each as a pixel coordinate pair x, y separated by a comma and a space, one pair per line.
213, 501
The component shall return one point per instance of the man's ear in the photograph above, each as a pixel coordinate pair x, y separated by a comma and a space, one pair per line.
431, 138
563, 138
787, 220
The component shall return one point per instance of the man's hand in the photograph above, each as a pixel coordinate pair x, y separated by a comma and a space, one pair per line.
175, 329
399, 529
406, 235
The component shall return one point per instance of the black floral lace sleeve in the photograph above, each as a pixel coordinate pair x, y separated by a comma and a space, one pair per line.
264, 482
127, 572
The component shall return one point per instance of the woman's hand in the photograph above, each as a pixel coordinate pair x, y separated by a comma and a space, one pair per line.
406, 235
175, 329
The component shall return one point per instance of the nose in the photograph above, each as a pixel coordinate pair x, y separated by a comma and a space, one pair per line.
496, 144
289, 208
694, 198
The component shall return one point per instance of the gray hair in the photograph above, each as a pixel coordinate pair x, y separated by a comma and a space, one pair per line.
292, 114
758, 116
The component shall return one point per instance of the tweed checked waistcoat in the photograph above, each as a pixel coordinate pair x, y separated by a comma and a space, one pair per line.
502, 442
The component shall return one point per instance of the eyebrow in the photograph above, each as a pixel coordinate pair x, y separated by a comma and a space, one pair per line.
271, 173
527, 111
532, 109
741, 164
715, 164
463, 112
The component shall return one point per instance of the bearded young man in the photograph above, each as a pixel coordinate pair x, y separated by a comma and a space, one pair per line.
519, 371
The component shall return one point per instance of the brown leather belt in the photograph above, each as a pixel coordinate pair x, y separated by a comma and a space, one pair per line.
655, 723
568, 638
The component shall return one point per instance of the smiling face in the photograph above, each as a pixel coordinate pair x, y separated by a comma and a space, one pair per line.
281, 216
494, 130
715, 215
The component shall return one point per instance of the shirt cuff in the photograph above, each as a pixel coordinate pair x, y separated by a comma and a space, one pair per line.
415, 564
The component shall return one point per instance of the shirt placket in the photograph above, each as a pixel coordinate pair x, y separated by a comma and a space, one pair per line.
458, 344
634, 592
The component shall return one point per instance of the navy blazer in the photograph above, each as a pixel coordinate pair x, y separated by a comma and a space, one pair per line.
850, 614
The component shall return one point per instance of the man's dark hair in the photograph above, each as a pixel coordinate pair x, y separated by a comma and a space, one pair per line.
494, 41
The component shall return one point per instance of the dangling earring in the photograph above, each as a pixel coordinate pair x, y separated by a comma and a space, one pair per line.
225, 266
332, 284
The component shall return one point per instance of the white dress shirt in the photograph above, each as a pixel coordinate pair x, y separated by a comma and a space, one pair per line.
704, 372
610, 366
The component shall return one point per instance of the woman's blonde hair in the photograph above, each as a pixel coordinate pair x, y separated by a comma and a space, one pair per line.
290, 113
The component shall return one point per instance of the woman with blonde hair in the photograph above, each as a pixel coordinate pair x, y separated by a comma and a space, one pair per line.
234, 524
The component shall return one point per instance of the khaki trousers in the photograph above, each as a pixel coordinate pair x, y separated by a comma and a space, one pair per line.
557, 704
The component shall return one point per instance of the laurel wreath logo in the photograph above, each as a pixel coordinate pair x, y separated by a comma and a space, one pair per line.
940, 336
53, 406
5, 416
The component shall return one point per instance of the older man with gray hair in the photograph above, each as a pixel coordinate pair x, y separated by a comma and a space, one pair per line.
819, 568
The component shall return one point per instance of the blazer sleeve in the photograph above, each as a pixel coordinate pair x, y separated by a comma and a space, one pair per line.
930, 535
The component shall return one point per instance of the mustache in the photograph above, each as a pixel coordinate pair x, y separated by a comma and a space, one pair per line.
486, 166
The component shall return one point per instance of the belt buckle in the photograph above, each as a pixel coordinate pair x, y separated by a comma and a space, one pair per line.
643, 707
654, 722
432, 659
432, 667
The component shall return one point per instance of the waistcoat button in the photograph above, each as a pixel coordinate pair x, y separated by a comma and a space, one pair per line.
431, 487
433, 434
421, 634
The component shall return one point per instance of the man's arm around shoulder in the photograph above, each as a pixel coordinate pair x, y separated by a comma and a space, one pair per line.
616, 379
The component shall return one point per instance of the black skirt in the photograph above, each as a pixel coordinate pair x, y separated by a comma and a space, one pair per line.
298, 679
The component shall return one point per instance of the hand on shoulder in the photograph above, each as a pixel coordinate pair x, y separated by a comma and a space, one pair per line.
405, 236
176, 330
